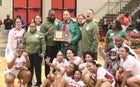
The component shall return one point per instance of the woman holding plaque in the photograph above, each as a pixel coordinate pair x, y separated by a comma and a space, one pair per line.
68, 25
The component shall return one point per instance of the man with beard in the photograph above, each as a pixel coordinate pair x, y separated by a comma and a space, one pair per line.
90, 34
47, 28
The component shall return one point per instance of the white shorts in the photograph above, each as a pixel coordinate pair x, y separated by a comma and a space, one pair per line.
14, 72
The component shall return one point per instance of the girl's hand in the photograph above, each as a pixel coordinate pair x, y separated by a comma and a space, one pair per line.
117, 75
41, 55
101, 48
16, 54
47, 60
25, 55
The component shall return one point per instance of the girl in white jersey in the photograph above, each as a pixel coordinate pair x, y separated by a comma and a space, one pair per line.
77, 81
63, 80
72, 58
17, 63
129, 70
59, 64
88, 56
14, 37
102, 78
60, 61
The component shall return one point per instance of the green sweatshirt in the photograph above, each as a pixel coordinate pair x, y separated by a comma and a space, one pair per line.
34, 41
90, 36
75, 31
45, 27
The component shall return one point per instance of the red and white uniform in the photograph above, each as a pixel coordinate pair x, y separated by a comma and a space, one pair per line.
62, 65
103, 74
131, 64
14, 38
73, 83
67, 78
84, 65
76, 60
18, 65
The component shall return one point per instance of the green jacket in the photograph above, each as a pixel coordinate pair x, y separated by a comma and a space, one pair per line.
33, 42
74, 29
45, 27
90, 36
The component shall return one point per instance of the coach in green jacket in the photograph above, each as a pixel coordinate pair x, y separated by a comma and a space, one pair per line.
68, 25
47, 28
35, 47
90, 34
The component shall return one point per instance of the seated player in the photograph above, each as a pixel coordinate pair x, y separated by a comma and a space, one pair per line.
17, 64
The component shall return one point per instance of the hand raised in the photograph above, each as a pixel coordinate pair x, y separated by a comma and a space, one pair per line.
16, 54
47, 60
25, 55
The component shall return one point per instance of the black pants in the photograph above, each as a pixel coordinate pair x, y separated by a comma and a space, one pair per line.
36, 62
51, 52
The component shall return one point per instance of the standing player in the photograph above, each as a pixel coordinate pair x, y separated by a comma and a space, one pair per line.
14, 37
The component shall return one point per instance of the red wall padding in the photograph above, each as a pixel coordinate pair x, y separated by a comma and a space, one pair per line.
56, 3
35, 3
20, 12
20, 3
20, 7
69, 4
59, 14
32, 14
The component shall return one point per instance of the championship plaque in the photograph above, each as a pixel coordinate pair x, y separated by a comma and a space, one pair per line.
62, 36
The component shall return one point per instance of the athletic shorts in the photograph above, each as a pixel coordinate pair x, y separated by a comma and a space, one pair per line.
14, 72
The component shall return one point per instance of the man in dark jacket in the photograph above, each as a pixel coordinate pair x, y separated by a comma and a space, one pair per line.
8, 22
47, 28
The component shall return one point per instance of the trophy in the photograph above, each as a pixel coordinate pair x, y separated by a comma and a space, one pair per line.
62, 36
